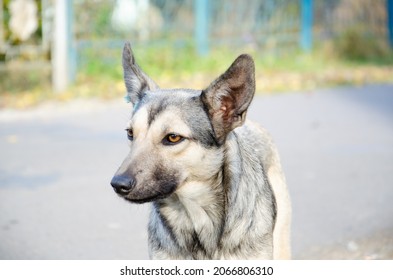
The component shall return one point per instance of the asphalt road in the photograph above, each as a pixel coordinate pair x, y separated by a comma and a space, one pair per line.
336, 146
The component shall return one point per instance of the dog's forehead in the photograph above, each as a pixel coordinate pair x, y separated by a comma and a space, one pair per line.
156, 102
174, 109
169, 96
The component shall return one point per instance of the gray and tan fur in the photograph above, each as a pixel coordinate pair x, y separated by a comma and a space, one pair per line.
214, 180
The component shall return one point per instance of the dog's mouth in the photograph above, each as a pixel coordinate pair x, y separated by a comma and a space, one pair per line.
141, 190
146, 194
121, 191
146, 199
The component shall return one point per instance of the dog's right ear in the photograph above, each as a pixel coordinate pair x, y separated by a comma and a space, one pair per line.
137, 82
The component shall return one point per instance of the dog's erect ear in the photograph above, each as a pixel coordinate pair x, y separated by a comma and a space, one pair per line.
228, 97
136, 81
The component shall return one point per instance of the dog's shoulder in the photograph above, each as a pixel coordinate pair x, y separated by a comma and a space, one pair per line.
256, 140
255, 136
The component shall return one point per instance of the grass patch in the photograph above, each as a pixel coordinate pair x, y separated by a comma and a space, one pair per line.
100, 73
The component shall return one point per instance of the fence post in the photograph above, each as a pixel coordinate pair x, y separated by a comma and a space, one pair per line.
389, 7
63, 55
71, 48
2, 39
201, 36
307, 23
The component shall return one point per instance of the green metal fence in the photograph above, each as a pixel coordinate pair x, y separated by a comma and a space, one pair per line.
100, 27
269, 25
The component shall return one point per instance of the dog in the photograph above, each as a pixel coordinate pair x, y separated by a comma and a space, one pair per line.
214, 180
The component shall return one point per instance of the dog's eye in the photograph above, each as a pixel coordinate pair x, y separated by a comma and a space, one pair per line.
172, 139
130, 134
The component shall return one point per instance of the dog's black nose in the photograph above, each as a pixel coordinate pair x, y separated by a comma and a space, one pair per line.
123, 184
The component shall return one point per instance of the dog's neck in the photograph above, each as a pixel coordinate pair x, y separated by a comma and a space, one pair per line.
195, 214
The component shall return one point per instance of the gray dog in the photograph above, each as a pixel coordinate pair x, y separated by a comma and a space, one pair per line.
214, 180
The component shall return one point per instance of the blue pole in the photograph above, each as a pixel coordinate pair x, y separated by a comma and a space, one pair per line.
307, 22
202, 26
71, 43
390, 21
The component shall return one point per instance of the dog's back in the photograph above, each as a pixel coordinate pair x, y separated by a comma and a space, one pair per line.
257, 141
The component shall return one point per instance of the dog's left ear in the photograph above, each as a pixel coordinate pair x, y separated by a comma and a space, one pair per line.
228, 97
137, 82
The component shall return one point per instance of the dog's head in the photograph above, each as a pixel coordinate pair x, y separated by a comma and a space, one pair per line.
177, 136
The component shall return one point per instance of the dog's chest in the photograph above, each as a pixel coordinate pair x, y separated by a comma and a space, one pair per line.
194, 220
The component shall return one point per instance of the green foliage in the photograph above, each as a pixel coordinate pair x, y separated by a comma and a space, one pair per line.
179, 62
178, 66
356, 45
101, 63
172, 60
157, 61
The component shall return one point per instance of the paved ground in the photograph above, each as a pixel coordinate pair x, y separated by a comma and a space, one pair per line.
336, 146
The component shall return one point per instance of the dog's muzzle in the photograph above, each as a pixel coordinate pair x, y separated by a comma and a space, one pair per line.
123, 184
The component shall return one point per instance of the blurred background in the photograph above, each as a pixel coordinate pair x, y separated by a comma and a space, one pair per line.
324, 74
302, 44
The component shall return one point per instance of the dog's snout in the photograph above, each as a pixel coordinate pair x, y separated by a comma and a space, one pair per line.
123, 184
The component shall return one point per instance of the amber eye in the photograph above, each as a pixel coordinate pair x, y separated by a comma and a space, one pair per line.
172, 139
130, 134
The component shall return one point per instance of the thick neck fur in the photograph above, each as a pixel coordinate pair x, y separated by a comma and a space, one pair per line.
195, 222
193, 217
